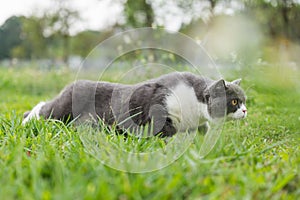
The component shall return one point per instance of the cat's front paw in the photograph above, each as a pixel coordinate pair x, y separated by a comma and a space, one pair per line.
204, 128
34, 113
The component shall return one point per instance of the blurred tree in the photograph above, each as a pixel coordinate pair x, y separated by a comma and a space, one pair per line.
34, 43
212, 4
279, 18
49, 34
192, 6
294, 21
139, 13
199, 25
10, 36
85, 41
60, 21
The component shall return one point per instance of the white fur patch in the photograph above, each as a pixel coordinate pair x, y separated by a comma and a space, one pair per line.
34, 113
239, 113
184, 109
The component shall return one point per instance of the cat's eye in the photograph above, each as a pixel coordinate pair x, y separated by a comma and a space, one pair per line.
234, 102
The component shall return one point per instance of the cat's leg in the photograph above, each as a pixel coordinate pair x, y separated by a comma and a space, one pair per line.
168, 129
34, 113
26, 114
58, 108
204, 128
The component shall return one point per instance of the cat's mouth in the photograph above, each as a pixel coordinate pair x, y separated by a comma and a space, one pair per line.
237, 115
245, 114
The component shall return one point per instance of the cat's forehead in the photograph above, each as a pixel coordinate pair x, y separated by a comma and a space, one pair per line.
234, 91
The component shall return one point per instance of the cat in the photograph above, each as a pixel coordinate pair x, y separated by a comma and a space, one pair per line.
172, 103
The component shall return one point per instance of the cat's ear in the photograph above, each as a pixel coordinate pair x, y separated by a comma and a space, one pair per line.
218, 86
237, 81
215, 90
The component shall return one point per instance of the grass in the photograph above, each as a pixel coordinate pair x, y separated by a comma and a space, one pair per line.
257, 158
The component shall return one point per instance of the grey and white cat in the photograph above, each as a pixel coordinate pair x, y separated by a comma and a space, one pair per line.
174, 102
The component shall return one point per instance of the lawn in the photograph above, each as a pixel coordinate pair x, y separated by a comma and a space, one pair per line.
257, 158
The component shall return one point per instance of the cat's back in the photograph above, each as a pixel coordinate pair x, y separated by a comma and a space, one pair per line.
160, 85
172, 79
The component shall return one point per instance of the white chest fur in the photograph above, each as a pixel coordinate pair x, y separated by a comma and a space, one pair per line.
184, 109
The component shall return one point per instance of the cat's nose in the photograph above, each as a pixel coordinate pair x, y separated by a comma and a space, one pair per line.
244, 111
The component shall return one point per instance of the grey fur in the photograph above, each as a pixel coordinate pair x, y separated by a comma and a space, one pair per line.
134, 106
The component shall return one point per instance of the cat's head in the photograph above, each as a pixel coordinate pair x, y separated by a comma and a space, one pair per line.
226, 98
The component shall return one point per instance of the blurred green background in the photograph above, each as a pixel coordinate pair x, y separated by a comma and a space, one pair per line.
238, 33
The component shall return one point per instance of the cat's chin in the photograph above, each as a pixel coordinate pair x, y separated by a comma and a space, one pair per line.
231, 117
